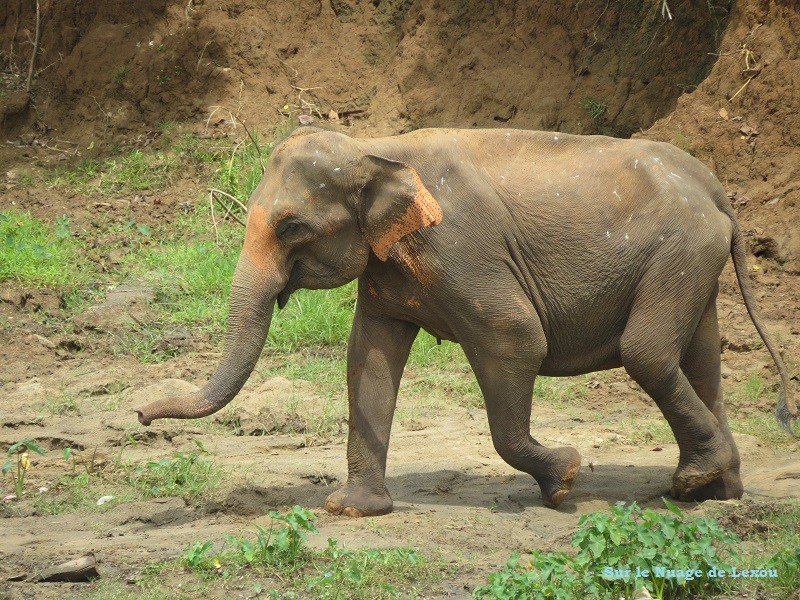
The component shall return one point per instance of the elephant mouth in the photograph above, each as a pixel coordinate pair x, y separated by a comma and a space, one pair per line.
283, 295
291, 285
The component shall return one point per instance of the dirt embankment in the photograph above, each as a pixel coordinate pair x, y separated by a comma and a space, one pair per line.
720, 80
388, 64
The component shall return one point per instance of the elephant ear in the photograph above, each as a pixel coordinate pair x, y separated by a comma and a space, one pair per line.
394, 204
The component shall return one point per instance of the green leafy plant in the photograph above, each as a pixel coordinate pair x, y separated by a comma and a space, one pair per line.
196, 557
596, 108
786, 566
22, 461
277, 546
621, 552
545, 575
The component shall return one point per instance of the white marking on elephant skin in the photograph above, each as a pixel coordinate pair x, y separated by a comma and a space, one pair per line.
661, 238
685, 199
338, 169
321, 185
627, 237
557, 194
608, 234
274, 203
629, 218
442, 182
636, 163
617, 195
314, 164
683, 273
671, 174
555, 138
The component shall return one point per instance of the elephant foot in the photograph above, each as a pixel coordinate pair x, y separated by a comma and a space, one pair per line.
358, 501
727, 486
704, 480
567, 465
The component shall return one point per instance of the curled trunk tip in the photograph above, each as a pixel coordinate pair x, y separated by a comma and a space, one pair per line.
181, 407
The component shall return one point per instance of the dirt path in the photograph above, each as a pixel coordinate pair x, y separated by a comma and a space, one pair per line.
454, 497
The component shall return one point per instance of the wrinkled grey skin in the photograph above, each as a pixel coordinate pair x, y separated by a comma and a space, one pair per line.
539, 253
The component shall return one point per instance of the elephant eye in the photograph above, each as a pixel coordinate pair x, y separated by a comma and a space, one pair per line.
290, 228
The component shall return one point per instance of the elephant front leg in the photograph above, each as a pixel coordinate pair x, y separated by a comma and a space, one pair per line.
376, 355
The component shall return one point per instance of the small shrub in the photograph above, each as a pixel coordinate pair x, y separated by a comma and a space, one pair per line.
619, 553
282, 546
22, 461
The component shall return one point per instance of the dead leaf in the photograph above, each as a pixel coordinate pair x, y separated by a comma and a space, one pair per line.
333, 116
723, 113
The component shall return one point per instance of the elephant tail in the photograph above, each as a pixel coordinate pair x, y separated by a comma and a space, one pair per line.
787, 409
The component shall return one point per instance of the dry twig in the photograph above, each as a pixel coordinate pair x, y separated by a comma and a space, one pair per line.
35, 48
228, 208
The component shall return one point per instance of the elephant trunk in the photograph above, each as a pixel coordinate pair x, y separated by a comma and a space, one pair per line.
251, 305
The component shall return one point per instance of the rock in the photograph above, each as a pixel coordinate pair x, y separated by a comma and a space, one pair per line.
251, 414
43, 341
114, 318
125, 307
726, 371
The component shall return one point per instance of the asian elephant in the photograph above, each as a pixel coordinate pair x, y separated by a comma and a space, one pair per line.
540, 253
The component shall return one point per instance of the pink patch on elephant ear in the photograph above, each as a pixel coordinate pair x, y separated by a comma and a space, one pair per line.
422, 211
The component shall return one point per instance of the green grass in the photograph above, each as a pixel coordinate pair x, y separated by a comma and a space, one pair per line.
184, 474
767, 529
277, 563
41, 254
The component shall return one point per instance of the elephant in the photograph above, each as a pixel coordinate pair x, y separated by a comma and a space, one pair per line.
539, 253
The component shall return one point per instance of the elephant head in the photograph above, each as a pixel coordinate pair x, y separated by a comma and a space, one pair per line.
325, 202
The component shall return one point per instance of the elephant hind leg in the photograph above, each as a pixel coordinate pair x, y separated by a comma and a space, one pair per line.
701, 365
660, 329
